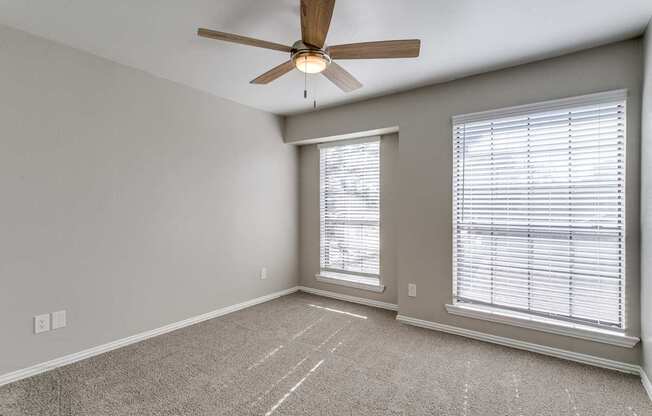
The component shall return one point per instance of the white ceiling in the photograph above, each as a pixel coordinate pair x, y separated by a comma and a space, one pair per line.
458, 38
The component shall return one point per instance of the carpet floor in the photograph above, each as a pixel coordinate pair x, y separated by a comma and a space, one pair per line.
308, 355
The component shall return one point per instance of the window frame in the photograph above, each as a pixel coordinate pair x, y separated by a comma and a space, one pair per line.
359, 280
495, 313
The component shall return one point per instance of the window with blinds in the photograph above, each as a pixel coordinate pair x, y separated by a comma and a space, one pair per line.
539, 209
350, 207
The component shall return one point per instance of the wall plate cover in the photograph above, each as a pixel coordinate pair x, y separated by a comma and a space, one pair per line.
58, 319
412, 290
41, 323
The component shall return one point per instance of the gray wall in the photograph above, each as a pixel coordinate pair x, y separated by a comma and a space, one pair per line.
130, 201
646, 206
309, 221
423, 206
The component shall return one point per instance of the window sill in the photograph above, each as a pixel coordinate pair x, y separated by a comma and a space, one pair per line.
350, 280
543, 324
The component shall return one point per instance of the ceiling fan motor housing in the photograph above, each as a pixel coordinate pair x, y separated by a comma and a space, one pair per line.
308, 58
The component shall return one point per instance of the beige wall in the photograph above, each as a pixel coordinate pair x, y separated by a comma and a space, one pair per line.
646, 206
309, 221
130, 201
424, 202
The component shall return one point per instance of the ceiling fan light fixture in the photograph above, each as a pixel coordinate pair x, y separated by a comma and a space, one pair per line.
311, 62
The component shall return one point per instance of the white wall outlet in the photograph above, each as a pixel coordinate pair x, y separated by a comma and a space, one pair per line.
412, 290
263, 273
41, 323
58, 319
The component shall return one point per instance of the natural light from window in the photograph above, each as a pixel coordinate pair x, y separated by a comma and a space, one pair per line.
350, 208
539, 210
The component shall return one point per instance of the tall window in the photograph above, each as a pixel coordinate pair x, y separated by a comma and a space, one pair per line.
539, 209
350, 208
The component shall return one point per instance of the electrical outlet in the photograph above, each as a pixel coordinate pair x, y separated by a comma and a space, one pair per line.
263, 273
41, 323
58, 319
412, 290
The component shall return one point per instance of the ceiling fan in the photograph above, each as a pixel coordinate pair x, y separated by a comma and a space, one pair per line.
310, 55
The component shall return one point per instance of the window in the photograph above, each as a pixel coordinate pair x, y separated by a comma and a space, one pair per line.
350, 210
539, 210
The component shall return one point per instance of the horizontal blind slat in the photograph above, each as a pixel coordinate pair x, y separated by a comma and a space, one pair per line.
539, 212
350, 207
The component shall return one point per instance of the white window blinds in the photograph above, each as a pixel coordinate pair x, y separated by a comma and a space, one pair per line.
350, 207
539, 209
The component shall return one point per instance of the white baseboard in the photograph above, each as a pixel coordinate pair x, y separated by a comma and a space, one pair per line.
354, 299
541, 349
78, 356
647, 384
522, 345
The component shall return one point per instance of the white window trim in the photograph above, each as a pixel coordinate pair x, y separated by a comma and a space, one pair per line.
597, 98
522, 319
539, 323
368, 139
350, 280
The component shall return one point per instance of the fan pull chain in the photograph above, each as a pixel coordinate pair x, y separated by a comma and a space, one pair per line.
314, 95
305, 77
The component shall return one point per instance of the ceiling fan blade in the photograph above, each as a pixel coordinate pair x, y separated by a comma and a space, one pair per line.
315, 21
230, 37
408, 48
340, 77
274, 73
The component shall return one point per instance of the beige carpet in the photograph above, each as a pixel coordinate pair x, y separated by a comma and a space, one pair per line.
307, 355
